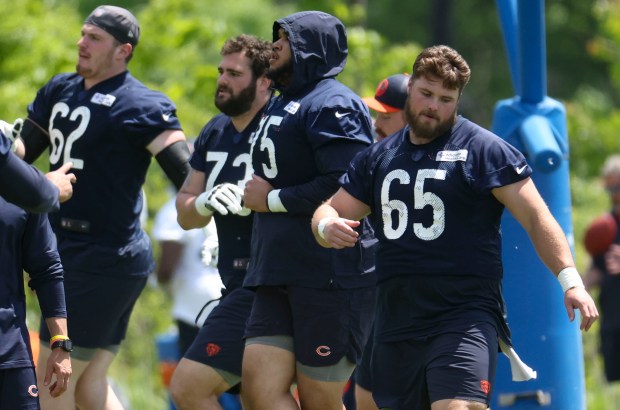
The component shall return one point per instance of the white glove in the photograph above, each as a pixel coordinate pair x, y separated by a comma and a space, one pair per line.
12, 131
223, 198
7, 130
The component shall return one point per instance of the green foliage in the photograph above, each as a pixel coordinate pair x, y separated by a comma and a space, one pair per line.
35, 44
179, 53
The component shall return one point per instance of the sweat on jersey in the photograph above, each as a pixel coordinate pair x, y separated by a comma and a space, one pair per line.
303, 144
104, 131
26, 243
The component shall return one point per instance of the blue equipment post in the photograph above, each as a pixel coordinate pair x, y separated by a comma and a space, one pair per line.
536, 125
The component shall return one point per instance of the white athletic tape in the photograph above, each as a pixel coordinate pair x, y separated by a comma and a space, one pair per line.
570, 278
321, 226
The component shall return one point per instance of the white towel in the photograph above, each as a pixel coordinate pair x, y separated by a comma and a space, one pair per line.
520, 371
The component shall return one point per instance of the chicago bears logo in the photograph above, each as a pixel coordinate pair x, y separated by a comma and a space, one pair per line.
323, 351
33, 390
485, 385
382, 88
212, 349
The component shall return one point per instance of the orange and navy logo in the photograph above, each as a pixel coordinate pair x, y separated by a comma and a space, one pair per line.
382, 88
485, 385
212, 349
323, 351
33, 390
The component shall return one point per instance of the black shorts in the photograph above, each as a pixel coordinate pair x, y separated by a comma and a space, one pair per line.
18, 389
326, 324
98, 308
413, 374
610, 343
220, 343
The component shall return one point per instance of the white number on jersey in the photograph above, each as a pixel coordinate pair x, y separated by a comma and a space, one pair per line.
266, 144
421, 199
61, 146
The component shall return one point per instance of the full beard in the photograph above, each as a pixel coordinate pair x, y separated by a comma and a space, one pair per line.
426, 131
238, 104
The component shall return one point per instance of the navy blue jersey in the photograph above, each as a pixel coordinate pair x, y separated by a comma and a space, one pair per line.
303, 144
24, 185
104, 131
26, 243
223, 154
432, 203
439, 263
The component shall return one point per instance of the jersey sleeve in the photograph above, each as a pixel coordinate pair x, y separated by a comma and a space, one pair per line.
150, 115
42, 262
495, 163
356, 181
337, 133
22, 184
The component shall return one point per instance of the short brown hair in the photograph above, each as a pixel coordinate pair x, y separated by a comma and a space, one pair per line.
445, 63
257, 50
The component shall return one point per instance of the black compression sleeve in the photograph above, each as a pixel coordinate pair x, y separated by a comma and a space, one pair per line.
174, 161
36, 140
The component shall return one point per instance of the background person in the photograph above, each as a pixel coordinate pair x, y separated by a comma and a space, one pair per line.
389, 101
187, 271
604, 270
109, 125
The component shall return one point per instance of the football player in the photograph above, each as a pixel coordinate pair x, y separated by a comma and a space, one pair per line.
438, 189
109, 125
313, 307
213, 190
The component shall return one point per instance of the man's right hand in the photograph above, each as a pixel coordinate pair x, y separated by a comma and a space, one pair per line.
63, 181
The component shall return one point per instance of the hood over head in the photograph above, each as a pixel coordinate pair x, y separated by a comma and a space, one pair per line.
318, 46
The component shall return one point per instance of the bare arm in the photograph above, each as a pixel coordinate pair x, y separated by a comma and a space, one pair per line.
59, 361
527, 206
187, 216
337, 218
166, 138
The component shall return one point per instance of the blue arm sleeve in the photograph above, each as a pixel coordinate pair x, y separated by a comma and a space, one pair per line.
24, 185
42, 262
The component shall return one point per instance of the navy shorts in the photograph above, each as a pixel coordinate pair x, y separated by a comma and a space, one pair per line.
363, 371
610, 340
413, 374
220, 343
98, 308
18, 389
325, 324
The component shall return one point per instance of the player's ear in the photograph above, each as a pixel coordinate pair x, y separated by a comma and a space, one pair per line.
264, 82
124, 50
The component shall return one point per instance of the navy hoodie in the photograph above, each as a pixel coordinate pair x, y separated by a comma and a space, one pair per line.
304, 143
